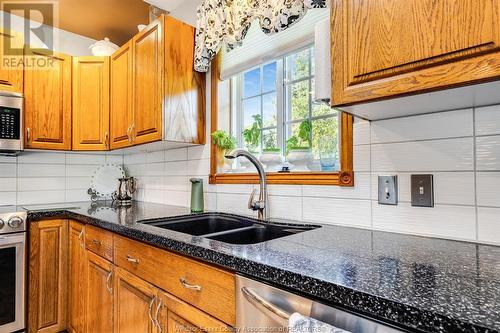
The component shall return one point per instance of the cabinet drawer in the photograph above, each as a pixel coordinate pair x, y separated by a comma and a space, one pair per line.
99, 241
207, 288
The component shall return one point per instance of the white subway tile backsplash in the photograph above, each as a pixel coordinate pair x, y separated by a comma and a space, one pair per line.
115, 159
424, 127
234, 203
285, 207
8, 198
180, 154
155, 156
428, 156
40, 184
35, 197
446, 221
73, 183
92, 159
199, 152
361, 158
8, 184
138, 158
361, 130
361, 190
176, 198
8, 170
154, 169
199, 167
176, 183
80, 170
41, 170
8, 159
36, 157
337, 211
488, 120
76, 195
488, 189
488, 225
488, 153
179, 168
284, 190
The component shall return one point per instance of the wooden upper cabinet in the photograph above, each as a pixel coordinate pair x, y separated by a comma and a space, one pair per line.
48, 276
388, 48
47, 93
134, 301
122, 115
147, 84
184, 87
77, 278
90, 103
11, 56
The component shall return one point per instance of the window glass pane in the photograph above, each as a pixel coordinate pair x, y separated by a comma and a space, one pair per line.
297, 65
313, 67
269, 77
298, 100
298, 135
325, 142
269, 109
251, 108
270, 140
251, 83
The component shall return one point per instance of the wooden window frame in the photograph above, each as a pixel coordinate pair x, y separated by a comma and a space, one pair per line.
343, 177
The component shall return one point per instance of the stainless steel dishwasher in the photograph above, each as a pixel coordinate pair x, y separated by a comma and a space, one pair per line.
262, 308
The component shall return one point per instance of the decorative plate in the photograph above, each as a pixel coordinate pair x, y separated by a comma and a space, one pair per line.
104, 181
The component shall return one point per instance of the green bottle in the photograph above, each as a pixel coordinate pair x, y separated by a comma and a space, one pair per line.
197, 195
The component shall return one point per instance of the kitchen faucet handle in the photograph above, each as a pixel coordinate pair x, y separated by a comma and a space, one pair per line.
251, 201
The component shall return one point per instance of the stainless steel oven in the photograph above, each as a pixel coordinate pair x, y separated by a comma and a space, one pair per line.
11, 123
12, 271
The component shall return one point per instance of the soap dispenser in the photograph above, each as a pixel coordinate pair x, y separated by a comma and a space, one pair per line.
196, 195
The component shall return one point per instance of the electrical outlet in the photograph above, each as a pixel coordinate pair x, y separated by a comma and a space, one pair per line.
422, 190
388, 190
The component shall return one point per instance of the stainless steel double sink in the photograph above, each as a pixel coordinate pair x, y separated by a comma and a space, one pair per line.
229, 228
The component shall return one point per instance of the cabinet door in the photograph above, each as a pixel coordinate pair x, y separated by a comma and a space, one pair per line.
90, 103
47, 93
122, 115
148, 81
11, 67
184, 87
386, 48
177, 316
99, 291
134, 303
48, 275
77, 278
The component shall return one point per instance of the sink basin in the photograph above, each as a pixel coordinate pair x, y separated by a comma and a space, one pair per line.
228, 228
258, 233
203, 224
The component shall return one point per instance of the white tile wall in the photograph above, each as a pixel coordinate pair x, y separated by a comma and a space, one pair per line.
49, 177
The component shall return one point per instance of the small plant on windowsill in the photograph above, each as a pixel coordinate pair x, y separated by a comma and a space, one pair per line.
251, 135
298, 147
224, 143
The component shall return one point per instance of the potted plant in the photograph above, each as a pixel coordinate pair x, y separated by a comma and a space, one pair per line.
224, 143
251, 134
298, 147
271, 155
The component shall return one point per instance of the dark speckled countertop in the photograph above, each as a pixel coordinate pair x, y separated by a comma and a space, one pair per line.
422, 284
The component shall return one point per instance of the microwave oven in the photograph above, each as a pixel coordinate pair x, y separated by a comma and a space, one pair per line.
11, 123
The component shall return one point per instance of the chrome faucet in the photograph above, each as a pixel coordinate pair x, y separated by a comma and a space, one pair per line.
261, 205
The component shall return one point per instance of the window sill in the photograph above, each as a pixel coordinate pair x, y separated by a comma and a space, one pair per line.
342, 178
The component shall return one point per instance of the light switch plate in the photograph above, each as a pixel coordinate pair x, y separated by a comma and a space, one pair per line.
422, 190
388, 190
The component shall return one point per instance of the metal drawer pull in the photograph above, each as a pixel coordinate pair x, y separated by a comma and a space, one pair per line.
265, 306
110, 289
189, 286
96, 242
156, 317
82, 245
150, 313
132, 260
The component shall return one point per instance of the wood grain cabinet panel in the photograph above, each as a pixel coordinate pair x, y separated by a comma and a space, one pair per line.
11, 65
388, 48
48, 276
184, 87
47, 93
134, 300
77, 278
99, 290
147, 84
122, 115
91, 103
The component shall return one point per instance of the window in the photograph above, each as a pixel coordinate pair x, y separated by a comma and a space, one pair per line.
274, 113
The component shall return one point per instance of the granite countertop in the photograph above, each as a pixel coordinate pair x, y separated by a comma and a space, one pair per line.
422, 284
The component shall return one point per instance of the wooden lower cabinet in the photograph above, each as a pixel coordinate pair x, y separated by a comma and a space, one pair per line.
77, 274
99, 294
134, 301
48, 276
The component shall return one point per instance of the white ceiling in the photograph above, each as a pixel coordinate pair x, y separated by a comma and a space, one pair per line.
184, 10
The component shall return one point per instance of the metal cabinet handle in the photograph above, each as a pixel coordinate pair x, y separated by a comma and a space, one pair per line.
156, 316
132, 134
108, 279
28, 134
186, 285
150, 313
128, 133
106, 140
96, 242
132, 259
80, 235
265, 306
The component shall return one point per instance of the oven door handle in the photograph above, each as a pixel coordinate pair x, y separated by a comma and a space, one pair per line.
266, 307
11, 239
